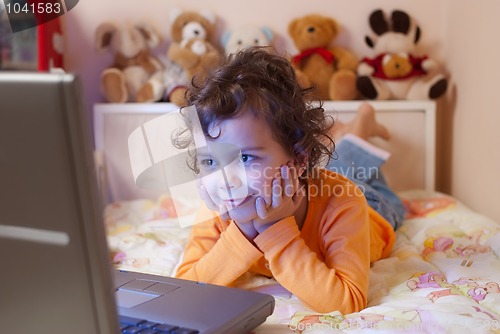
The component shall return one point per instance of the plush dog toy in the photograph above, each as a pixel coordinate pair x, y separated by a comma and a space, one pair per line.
245, 36
171, 84
396, 72
330, 70
133, 63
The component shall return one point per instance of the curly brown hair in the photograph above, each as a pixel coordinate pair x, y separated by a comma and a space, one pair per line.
264, 83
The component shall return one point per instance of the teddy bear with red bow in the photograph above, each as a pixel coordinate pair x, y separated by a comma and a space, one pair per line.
330, 70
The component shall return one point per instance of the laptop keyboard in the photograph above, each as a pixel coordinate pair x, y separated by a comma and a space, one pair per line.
129, 325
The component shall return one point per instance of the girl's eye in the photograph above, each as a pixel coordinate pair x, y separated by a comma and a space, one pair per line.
207, 162
246, 158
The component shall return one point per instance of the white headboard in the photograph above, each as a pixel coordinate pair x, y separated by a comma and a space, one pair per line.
113, 123
411, 124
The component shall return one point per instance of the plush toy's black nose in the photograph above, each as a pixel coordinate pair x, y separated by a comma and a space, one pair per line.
311, 29
196, 32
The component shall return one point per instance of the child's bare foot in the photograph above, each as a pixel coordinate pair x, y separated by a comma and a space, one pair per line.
338, 130
364, 125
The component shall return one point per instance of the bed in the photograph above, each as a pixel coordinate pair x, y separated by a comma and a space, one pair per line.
443, 274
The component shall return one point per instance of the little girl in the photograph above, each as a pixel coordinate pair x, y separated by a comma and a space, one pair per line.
259, 148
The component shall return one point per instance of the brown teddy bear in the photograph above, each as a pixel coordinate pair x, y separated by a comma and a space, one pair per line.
330, 70
196, 56
396, 65
171, 84
133, 63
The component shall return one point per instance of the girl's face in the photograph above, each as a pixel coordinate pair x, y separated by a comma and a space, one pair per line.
239, 164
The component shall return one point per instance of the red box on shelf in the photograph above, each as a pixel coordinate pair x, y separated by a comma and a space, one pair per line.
50, 45
31, 35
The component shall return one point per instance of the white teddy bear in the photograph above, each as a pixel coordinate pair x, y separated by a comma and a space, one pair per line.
245, 36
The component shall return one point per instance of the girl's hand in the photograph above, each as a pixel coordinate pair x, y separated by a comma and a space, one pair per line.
246, 228
202, 191
287, 194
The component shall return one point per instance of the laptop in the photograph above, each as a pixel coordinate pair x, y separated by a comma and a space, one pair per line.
55, 272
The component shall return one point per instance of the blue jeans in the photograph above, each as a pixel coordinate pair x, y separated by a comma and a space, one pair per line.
363, 168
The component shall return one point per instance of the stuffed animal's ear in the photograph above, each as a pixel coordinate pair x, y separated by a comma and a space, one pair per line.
400, 22
417, 35
292, 26
225, 38
334, 25
208, 14
268, 33
369, 42
174, 13
378, 23
386, 58
104, 35
150, 35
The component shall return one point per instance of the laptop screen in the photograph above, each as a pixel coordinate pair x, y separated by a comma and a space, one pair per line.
55, 277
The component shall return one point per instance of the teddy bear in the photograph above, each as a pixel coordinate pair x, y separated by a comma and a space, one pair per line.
196, 56
396, 65
171, 84
245, 36
133, 64
396, 72
330, 70
190, 24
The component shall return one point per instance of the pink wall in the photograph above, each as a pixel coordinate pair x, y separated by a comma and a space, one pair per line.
473, 115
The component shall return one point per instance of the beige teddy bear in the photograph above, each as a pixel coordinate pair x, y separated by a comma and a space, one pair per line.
196, 56
171, 84
330, 70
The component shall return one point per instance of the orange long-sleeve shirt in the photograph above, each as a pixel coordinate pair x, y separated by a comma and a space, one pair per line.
326, 264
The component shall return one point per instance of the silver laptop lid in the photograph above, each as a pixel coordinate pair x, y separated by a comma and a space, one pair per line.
53, 280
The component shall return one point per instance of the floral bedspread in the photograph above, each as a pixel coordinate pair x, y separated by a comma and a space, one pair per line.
443, 275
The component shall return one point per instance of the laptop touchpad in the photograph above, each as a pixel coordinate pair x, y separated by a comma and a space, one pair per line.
140, 291
128, 299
